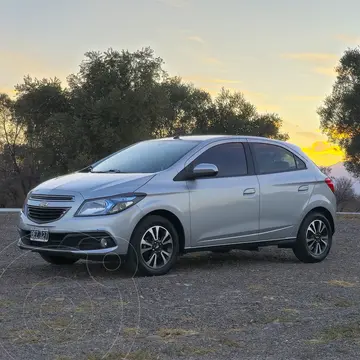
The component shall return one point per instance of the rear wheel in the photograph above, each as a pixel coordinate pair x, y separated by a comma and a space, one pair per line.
59, 260
154, 246
314, 239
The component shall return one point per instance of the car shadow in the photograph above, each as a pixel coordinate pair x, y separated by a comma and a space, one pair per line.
235, 257
85, 269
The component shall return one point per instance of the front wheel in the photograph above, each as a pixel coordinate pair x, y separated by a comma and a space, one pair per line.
314, 239
59, 260
154, 246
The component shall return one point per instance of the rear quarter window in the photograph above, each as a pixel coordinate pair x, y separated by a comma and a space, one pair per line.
275, 159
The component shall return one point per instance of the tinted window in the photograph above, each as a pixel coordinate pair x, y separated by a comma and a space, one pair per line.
299, 163
147, 156
272, 159
229, 158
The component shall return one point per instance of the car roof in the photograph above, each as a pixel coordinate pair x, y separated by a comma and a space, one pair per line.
210, 138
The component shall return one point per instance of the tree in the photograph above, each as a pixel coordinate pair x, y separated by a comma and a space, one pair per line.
326, 170
15, 173
234, 115
42, 108
344, 192
115, 99
340, 112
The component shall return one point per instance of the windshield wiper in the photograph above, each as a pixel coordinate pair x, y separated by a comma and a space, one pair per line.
86, 169
107, 171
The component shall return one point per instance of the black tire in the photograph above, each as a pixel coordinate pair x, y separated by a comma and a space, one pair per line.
59, 260
302, 248
136, 262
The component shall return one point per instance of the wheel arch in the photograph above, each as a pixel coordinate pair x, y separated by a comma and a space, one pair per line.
173, 219
324, 211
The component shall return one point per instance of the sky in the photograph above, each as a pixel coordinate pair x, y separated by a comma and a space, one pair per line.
280, 53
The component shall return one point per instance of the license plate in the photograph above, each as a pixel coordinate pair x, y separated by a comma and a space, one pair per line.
41, 235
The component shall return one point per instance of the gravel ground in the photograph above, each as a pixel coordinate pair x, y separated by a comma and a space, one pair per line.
242, 305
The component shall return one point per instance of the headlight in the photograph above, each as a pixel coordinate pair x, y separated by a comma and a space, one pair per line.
108, 206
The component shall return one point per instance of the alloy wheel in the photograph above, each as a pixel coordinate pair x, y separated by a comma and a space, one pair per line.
317, 237
156, 247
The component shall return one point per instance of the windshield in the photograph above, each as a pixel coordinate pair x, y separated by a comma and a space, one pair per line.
146, 157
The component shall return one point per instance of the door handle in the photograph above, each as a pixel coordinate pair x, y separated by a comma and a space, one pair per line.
249, 191
303, 188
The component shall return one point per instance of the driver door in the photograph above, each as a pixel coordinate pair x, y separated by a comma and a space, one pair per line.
224, 209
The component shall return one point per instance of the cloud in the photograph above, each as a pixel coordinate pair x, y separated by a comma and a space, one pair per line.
348, 38
225, 81
268, 108
12, 60
310, 56
304, 98
309, 135
17, 65
197, 39
324, 153
212, 60
206, 80
255, 95
175, 3
328, 71
10, 92
324, 147
322, 60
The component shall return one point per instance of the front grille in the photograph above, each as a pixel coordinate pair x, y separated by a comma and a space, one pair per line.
52, 197
70, 241
41, 214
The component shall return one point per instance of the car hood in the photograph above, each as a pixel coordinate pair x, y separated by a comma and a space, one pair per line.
91, 185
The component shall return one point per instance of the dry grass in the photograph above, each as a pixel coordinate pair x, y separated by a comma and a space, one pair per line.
230, 343
343, 303
135, 355
131, 331
85, 307
170, 333
26, 336
342, 283
5, 303
187, 351
348, 217
59, 323
291, 311
341, 332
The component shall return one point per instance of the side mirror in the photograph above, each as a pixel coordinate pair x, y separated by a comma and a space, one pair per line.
204, 170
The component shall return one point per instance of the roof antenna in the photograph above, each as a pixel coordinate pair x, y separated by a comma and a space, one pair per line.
177, 134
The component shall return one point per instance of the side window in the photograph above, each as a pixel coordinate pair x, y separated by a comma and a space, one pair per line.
300, 164
230, 159
273, 159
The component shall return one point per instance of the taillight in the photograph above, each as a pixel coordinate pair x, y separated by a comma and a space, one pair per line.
330, 184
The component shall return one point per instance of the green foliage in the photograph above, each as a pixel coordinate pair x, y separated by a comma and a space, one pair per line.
115, 99
340, 113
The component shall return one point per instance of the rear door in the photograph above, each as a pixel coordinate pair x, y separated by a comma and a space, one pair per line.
225, 208
285, 189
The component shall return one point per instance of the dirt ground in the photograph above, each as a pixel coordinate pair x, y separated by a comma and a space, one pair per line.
242, 305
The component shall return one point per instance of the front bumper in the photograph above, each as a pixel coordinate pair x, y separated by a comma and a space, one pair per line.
75, 236
66, 252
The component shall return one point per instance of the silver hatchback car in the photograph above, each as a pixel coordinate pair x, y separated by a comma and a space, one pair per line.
156, 199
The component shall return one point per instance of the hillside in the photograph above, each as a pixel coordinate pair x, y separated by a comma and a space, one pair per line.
338, 170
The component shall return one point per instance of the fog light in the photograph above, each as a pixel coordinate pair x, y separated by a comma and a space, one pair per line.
103, 243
